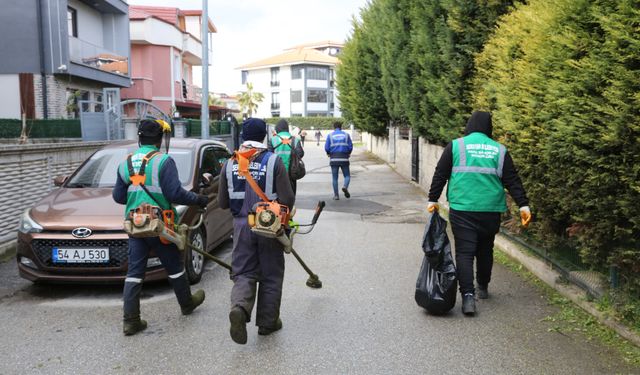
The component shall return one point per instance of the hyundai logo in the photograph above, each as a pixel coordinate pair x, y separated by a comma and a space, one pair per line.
81, 232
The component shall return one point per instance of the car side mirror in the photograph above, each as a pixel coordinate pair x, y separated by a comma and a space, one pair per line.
207, 179
59, 180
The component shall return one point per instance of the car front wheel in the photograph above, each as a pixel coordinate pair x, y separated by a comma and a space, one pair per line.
194, 262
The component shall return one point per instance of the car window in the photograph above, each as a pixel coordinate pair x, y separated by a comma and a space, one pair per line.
209, 163
101, 168
222, 155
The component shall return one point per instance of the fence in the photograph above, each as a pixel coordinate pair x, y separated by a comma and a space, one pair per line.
26, 173
194, 128
58, 128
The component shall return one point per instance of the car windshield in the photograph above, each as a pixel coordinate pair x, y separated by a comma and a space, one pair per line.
100, 170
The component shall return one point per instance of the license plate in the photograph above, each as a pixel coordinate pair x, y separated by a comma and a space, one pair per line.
80, 255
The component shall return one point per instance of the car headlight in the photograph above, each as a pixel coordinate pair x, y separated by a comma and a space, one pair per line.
28, 225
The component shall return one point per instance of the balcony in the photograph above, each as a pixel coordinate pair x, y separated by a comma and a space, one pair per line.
275, 83
275, 106
142, 88
91, 55
191, 93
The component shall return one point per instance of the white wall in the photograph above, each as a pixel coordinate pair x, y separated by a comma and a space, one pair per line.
10, 96
428, 154
192, 24
261, 80
155, 32
89, 23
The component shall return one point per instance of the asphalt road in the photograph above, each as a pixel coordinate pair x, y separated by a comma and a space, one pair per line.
364, 320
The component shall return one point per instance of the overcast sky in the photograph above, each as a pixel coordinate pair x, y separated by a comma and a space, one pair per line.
250, 30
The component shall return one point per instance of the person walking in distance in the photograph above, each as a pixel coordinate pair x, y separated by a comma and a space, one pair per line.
478, 170
303, 135
257, 262
284, 144
318, 136
148, 177
338, 147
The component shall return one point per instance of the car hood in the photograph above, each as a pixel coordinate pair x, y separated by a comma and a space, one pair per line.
67, 208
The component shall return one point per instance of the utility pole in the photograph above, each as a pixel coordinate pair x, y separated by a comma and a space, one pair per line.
204, 115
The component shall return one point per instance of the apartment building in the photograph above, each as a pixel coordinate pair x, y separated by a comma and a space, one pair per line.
165, 47
58, 52
298, 82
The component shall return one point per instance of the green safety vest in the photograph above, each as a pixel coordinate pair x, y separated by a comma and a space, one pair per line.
476, 177
283, 150
135, 194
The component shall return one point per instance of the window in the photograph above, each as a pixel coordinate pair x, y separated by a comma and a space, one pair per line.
296, 96
275, 77
275, 100
245, 76
209, 162
317, 96
318, 73
72, 22
97, 97
296, 72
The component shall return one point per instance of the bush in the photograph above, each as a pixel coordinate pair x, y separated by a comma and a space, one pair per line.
307, 122
562, 79
54, 128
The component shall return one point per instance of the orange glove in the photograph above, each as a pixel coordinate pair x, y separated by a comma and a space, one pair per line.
433, 207
525, 216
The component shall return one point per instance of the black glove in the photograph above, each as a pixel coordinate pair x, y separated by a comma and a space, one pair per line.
203, 200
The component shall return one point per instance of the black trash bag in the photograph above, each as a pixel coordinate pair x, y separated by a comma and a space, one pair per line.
437, 282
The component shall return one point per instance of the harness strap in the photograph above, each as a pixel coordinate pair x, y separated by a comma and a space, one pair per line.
243, 170
286, 141
139, 177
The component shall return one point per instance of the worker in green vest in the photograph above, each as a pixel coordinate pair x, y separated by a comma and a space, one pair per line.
149, 177
283, 144
478, 170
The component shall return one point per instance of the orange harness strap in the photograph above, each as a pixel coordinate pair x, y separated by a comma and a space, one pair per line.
243, 170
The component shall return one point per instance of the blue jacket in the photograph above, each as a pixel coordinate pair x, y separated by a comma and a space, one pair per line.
338, 146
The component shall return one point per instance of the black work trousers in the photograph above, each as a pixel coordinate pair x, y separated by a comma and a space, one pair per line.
257, 263
474, 233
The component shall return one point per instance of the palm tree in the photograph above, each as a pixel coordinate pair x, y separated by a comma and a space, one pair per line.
214, 100
249, 100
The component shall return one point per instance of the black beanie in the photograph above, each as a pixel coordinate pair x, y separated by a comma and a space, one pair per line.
254, 129
149, 131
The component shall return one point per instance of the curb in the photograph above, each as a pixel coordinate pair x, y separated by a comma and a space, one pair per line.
7, 250
550, 277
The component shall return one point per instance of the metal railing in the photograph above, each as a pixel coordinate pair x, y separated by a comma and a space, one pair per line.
89, 54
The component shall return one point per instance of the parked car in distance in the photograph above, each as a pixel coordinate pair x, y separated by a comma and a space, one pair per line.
75, 234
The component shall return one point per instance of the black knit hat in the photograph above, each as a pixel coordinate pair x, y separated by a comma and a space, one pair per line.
149, 130
254, 129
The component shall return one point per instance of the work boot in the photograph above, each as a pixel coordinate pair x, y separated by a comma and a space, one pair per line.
468, 304
132, 324
483, 291
196, 300
238, 329
346, 192
336, 198
267, 330
187, 302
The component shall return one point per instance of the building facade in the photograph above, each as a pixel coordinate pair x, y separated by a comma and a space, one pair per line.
298, 82
61, 52
165, 48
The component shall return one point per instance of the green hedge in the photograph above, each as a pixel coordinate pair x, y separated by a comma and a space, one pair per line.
307, 122
57, 128
194, 128
567, 106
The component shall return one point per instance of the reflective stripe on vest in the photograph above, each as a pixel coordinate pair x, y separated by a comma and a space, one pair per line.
238, 192
463, 168
338, 143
